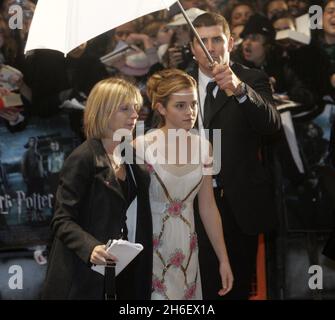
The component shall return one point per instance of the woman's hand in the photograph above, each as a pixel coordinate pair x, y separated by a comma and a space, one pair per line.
4, 92
15, 80
226, 278
10, 115
100, 256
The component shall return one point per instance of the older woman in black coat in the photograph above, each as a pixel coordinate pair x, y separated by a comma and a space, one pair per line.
93, 196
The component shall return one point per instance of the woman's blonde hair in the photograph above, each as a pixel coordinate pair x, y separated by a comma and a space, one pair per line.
104, 99
162, 84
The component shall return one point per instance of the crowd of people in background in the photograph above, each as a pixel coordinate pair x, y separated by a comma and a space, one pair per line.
304, 73
301, 72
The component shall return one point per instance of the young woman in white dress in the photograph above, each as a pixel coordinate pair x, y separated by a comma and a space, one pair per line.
179, 173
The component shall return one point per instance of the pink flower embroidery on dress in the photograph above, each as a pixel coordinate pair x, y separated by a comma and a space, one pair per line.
193, 242
190, 291
175, 208
156, 242
150, 168
158, 285
177, 258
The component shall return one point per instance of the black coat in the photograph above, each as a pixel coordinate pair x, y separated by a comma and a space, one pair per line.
289, 77
48, 74
247, 185
90, 209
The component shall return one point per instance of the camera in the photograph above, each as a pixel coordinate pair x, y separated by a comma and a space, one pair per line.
186, 56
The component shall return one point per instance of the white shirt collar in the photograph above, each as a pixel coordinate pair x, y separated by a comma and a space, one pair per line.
204, 79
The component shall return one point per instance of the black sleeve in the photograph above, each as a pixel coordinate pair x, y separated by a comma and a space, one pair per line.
46, 76
297, 91
75, 181
259, 107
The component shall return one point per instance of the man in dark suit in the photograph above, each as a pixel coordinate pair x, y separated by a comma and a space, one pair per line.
239, 102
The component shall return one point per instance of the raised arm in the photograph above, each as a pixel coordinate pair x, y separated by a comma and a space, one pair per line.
252, 87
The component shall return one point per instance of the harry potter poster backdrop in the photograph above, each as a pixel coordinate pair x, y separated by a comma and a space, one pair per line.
30, 162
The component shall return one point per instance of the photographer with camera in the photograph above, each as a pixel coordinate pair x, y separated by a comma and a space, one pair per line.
179, 54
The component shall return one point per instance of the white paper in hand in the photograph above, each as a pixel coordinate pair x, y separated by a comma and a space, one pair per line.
124, 251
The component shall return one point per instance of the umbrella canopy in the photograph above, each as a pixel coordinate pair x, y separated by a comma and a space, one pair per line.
65, 24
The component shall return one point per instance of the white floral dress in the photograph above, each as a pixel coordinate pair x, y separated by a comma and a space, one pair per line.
176, 274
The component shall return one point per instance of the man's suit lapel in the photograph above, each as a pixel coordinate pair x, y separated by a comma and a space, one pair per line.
221, 97
220, 101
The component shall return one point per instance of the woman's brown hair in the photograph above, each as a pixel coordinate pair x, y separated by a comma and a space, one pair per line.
162, 84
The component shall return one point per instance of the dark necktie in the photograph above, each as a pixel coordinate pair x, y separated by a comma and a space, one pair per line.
209, 102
